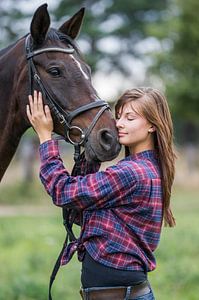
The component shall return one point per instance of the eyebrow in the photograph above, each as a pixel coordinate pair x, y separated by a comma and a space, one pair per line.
131, 112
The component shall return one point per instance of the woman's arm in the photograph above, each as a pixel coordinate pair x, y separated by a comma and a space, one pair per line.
103, 189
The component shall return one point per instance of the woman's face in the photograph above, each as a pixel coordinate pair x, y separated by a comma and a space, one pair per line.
134, 130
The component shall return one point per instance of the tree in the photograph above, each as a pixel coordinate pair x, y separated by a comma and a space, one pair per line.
112, 29
9, 13
112, 34
178, 65
15, 17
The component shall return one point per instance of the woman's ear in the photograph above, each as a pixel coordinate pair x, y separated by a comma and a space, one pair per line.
151, 129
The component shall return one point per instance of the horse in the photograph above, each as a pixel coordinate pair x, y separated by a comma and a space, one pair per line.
49, 60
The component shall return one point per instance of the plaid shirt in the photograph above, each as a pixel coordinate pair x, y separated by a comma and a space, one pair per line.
121, 207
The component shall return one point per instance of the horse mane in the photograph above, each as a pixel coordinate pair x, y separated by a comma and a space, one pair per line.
2, 51
6, 49
52, 35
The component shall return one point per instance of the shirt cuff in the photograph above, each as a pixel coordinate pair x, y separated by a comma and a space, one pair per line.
48, 149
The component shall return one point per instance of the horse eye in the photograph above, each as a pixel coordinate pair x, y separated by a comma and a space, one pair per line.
54, 72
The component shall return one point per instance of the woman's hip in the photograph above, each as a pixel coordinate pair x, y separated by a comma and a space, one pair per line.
141, 291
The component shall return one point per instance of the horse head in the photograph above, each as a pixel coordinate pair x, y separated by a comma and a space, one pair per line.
66, 79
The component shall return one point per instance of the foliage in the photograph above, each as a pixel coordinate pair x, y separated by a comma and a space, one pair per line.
30, 246
114, 39
112, 28
9, 14
177, 62
23, 192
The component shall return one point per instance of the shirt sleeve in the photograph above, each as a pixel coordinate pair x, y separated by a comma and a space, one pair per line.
103, 189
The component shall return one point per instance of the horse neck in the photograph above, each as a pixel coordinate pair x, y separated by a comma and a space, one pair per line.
12, 125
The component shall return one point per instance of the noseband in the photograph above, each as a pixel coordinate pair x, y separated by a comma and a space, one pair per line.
64, 118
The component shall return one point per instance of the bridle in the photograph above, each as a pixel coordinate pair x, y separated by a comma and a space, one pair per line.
64, 118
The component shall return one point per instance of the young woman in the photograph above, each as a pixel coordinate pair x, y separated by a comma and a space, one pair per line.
124, 206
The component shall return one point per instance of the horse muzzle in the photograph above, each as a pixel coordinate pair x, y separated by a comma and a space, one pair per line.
102, 147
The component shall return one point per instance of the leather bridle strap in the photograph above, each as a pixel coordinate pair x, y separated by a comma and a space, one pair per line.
65, 118
51, 49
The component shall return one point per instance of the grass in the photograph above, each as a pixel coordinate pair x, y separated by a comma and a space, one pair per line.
177, 276
29, 248
23, 193
30, 245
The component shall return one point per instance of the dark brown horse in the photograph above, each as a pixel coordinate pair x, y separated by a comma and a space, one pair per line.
65, 76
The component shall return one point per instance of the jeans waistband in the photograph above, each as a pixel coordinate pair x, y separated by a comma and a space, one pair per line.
115, 293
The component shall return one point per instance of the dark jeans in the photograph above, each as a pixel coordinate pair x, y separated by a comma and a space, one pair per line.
95, 274
148, 296
103, 294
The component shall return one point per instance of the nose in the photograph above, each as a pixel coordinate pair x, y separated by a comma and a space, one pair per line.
106, 139
119, 123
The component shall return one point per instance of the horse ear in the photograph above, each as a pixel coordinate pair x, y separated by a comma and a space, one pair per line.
73, 25
40, 24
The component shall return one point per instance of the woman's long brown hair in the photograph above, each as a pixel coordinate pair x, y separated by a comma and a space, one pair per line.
154, 107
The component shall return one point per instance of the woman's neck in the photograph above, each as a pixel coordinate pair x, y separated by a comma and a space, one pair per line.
137, 148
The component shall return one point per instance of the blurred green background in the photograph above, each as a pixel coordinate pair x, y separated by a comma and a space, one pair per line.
127, 43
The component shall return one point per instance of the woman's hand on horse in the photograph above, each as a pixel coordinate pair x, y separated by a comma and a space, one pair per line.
40, 117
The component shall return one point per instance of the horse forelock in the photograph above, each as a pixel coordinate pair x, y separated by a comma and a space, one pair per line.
54, 35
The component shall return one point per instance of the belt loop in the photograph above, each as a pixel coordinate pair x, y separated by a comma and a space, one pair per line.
86, 293
128, 292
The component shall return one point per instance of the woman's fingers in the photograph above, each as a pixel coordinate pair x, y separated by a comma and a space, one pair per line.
30, 103
36, 112
29, 113
48, 113
40, 103
40, 117
29, 108
36, 104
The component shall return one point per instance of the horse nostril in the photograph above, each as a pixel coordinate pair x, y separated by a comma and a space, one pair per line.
106, 139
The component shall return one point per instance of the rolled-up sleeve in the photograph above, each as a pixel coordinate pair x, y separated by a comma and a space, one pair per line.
102, 189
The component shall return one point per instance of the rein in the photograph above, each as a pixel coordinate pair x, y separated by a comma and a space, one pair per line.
65, 119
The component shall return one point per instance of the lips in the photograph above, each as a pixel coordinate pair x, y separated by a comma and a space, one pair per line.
121, 134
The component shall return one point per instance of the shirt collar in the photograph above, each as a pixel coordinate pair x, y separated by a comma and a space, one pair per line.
147, 154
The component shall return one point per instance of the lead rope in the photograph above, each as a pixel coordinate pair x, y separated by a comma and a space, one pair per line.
67, 222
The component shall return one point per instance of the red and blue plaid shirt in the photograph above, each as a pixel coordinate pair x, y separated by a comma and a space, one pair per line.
121, 207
